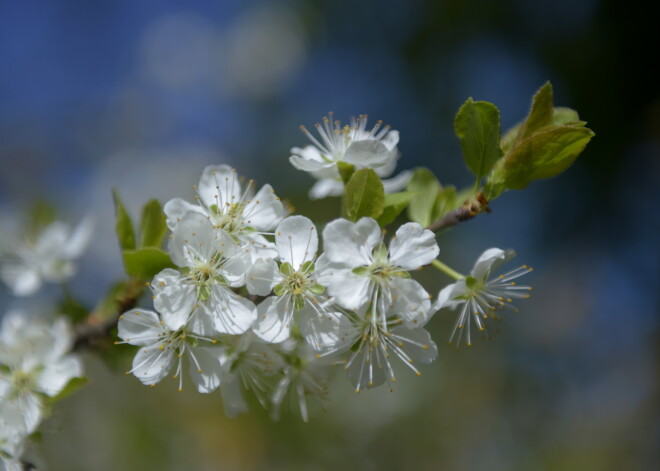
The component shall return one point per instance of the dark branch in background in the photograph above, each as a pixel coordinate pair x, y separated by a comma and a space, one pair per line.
466, 212
99, 324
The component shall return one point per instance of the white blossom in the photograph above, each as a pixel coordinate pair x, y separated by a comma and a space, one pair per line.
479, 295
35, 363
233, 209
352, 144
363, 270
162, 348
295, 282
200, 295
49, 258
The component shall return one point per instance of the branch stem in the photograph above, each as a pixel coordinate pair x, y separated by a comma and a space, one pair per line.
447, 270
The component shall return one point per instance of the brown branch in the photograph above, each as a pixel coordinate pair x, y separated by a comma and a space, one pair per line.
469, 210
99, 323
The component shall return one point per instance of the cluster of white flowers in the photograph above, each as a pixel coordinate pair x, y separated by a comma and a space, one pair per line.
48, 258
35, 365
254, 304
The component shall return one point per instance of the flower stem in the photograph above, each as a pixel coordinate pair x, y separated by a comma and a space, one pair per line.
447, 270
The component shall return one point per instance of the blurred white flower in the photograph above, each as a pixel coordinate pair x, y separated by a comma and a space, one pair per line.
49, 258
35, 361
480, 297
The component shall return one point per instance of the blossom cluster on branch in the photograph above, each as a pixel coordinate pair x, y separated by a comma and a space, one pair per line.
253, 300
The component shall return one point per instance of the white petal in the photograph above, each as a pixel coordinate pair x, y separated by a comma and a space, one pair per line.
416, 342
490, 260
232, 396
391, 139
259, 247
232, 313
30, 408
308, 153
326, 187
202, 321
57, 375
397, 183
368, 153
410, 301
448, 294
21, 279
262, 277
53, 238
327, 330
219, 185
139, 327
174, 298
79, 239
265, 210
413, 246
205, 367
307, 165
351, 244
349, 290
193, 239
175, 209
274, 319
367, 369
296, 240
151, 364
57, 270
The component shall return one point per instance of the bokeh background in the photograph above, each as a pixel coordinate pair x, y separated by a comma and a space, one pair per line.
141, 96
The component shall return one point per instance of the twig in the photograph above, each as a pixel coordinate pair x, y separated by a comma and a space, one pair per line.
466, 212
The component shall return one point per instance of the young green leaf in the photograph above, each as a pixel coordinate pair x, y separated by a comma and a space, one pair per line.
477, 125
395, 203
123, 224
146, 262
346, 170
364, 195
545, 154
424, 187
152, 225
541, 113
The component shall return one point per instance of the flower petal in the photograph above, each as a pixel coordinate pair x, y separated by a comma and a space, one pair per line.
139, 327
175, 209
57, 375
490, 260
232, 314
194, 239
297, 240
79, 239
413, 246
326, 187
151, 364
349, 290
219, 185
326, 330
174, 298
367, 153
410, 301
265, 210
417, 343
22, 280
274, 319
448, 294
205, 367
351, 244
398, 183
262, 277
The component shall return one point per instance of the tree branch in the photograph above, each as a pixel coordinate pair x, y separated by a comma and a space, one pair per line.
466, 212
101, 321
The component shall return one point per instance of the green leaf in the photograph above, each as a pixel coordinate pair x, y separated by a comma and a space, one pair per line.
541, 113
364, 195
563, 115
477, 125
152, 225
346, 170
445, 202
395, 203
123, 224
145, 263
545, 154
72, 386
425, 188
72, 308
